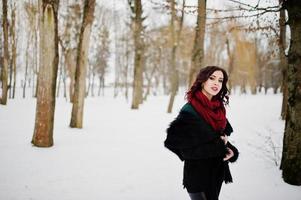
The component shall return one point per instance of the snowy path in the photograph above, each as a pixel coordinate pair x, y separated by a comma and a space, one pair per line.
119, 155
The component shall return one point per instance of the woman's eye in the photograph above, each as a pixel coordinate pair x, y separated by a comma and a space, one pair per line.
221, 81
211, 78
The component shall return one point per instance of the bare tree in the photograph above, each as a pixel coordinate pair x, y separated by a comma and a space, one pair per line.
153, 54
291, 154
198, 49
81, 64
103, 54
62, 71
244, 63
26, 69
125, 59
69, 41
43, 131
31, 55
137, 20
117, 64
4, 77
175, 37
283, 60
13, 70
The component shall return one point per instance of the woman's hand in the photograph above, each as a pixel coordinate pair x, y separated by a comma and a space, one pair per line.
229, 154
224, 138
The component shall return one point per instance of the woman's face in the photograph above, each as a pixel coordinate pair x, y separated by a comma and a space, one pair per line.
213, 84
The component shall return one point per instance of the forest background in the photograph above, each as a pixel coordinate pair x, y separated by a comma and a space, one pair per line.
138, 49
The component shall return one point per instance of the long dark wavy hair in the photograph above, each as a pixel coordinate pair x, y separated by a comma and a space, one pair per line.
202, 77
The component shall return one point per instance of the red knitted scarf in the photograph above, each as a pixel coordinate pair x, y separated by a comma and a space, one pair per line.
212, 111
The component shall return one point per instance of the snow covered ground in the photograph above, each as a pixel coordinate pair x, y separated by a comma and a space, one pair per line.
119, 154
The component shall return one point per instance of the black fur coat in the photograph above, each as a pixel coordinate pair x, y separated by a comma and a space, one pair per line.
194, 141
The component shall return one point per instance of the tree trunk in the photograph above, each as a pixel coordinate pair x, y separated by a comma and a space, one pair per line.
101, 87
149, 81
81, 65
138, 58
64, 81
230, 68
3, 99
116, 62
35, 64
63, 68
12, 76
59, 79
126, 69
89, 80
283, 61
70, 63
43, 131
291, 154
14, 50
174, 79
198, 48
26, 68
93, 84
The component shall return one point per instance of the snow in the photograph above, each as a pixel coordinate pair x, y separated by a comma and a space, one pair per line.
119, 154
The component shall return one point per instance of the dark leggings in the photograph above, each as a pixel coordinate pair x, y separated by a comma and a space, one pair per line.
197, 196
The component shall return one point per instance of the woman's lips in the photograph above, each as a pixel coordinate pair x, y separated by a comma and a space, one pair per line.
214, 89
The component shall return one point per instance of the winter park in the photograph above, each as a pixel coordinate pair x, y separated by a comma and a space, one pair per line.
150, 100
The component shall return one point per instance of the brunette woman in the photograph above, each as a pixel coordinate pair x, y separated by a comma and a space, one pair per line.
199, 135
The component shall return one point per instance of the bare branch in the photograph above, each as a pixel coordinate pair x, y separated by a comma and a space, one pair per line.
269, 8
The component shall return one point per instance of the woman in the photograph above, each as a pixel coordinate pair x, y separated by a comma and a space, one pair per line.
199, 135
